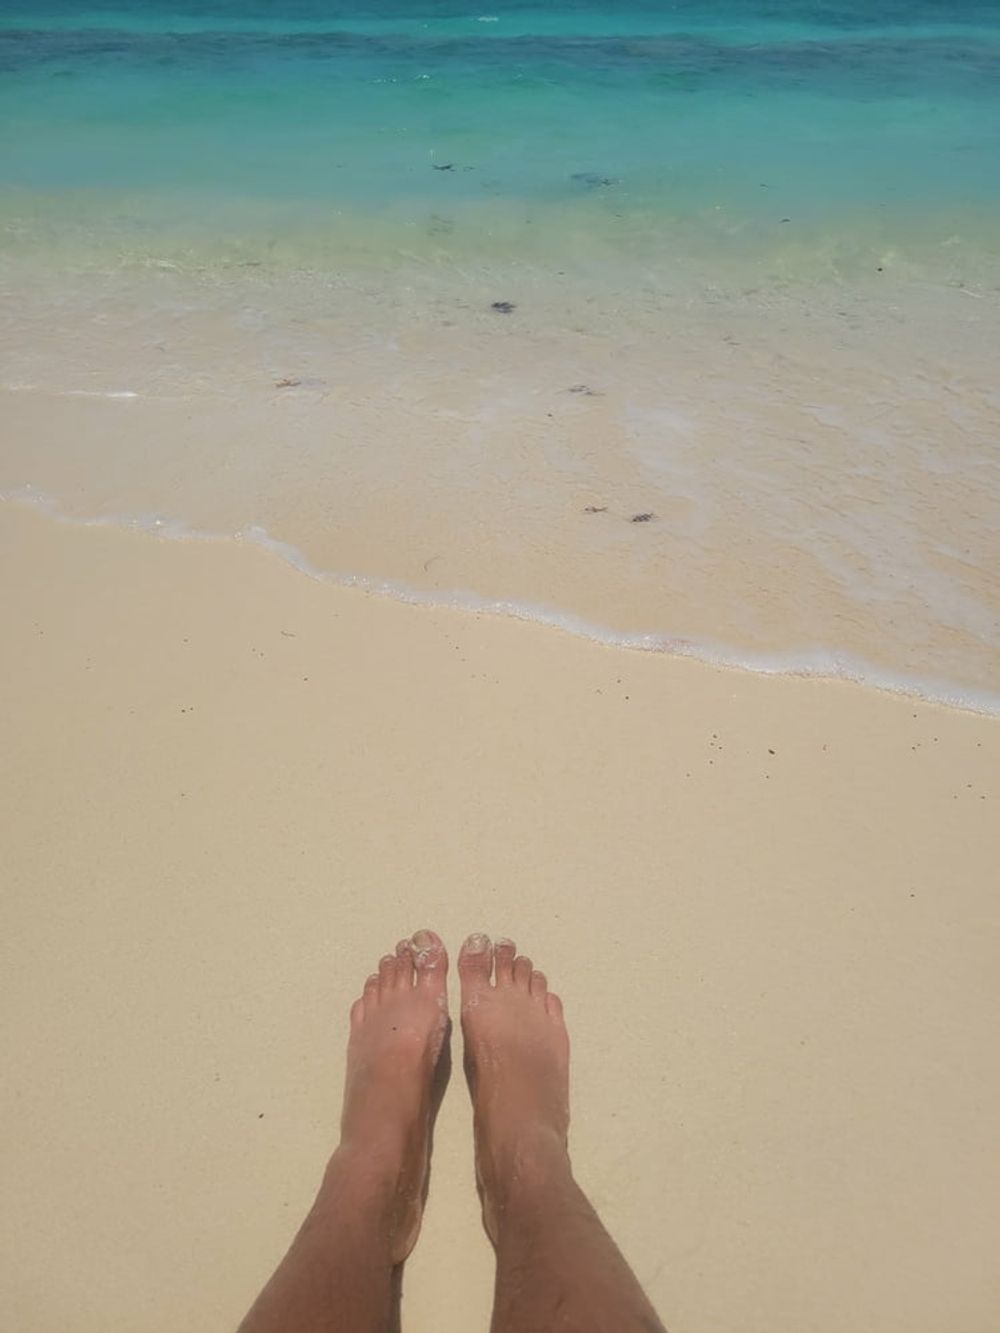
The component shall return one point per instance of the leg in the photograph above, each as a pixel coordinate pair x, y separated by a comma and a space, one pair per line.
557, 1268
341, 1273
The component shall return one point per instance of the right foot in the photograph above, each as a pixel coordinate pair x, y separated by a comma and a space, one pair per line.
517, 1064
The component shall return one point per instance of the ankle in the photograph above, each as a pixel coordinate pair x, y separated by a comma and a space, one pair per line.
518, 1168
366, 1174
354, 1206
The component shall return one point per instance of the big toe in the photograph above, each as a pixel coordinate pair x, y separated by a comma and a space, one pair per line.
430, 959
475, 964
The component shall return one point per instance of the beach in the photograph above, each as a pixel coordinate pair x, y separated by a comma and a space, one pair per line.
768, 903
776, 472
671, 326
535, 472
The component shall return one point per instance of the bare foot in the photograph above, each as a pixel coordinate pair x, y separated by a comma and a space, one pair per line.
517, 1064
394, 1083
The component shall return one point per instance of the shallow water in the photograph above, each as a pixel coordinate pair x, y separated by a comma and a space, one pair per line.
753, 257
757, 109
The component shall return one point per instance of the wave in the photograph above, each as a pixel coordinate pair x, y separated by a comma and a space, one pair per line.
816, 663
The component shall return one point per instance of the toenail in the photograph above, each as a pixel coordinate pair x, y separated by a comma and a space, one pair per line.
423, 939
477, 943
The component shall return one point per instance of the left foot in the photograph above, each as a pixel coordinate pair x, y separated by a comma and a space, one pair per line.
398, 1029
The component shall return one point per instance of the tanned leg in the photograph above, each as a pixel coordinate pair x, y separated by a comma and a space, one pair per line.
557, 1268
341, 1274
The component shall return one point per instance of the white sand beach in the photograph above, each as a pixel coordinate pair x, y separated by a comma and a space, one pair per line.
768, 903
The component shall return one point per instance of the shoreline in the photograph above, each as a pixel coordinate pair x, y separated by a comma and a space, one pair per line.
823, 467
819, 664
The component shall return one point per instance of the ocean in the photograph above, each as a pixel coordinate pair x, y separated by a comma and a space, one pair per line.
672, 324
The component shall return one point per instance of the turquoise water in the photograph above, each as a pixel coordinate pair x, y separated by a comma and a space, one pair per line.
762, 112
440, 296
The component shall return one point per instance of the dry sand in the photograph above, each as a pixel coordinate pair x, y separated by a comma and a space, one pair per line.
769, 904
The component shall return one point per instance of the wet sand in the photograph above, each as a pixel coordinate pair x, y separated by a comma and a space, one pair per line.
817, 458
768, 904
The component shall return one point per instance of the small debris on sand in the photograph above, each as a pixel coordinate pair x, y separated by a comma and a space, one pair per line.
287, 384
642, 518
585, 389
595, 509
503, 307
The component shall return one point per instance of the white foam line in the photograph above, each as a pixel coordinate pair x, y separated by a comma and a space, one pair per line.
72, 393
819, 664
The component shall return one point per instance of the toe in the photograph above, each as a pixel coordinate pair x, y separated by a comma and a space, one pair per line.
505, 951
539, 985
522, 972
357, 1013
553, 1006
475, 963
429, 959
387, 972
404, 964
371, 991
